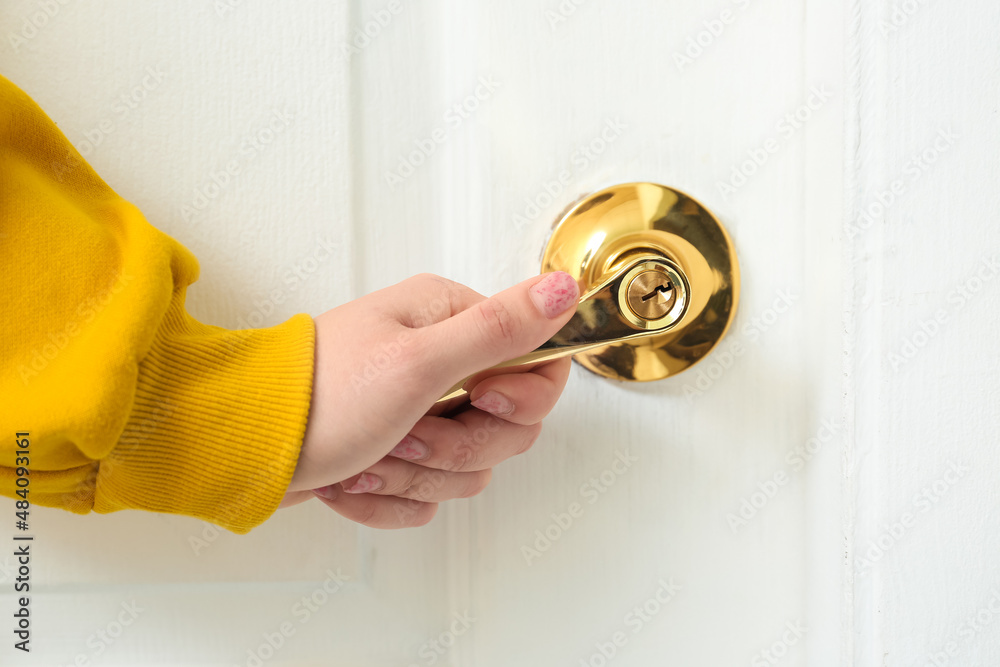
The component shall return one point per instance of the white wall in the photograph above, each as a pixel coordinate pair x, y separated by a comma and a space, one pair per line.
922, 397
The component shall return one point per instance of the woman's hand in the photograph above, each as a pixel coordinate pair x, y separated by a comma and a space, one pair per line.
377, 449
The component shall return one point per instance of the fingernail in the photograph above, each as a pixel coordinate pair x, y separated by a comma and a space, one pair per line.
495, 403
554, 293
366, 483
411, 449
328, 492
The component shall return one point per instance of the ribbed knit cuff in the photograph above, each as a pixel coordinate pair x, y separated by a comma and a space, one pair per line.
217, 423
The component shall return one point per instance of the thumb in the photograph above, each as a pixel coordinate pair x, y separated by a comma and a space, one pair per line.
507, 325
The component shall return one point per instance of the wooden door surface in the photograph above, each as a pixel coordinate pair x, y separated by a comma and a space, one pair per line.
821, 490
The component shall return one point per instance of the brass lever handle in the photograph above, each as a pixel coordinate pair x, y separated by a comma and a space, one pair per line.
647, 296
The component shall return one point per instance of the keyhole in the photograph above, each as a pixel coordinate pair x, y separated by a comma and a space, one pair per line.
650, 294
657, 290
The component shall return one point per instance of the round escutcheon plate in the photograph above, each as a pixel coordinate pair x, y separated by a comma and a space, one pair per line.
603, 230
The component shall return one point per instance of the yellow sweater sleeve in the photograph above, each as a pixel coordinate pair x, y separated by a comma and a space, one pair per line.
130, 403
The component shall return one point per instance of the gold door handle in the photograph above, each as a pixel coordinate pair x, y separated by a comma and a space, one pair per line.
645, 297
660, 284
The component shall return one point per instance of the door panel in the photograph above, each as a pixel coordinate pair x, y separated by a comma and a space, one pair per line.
210, 85
819, 491
556, 562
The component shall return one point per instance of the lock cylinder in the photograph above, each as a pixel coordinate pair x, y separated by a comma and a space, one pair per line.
659, 278
697, 266
653, 294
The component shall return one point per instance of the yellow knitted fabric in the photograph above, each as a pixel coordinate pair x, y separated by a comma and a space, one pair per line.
129, 402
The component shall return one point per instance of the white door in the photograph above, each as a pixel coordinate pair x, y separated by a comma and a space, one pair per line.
821, 490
